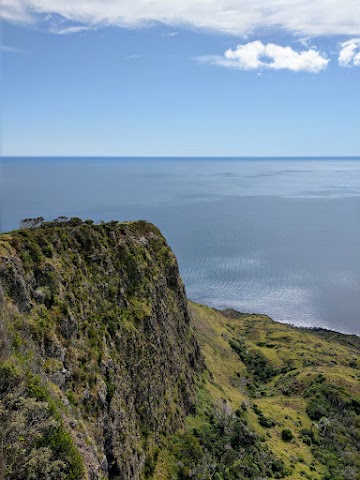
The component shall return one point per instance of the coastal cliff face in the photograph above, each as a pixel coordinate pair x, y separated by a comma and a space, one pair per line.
98, 355
107, 372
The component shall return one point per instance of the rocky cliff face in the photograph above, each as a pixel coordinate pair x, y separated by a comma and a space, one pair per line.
97, 350
100, 371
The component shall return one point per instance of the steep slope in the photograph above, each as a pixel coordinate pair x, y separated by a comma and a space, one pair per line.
107, 372
97, 352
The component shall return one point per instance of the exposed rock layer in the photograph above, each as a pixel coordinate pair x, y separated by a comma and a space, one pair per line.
98, 315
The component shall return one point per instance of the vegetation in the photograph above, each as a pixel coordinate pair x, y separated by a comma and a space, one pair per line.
222, 446
107, 373
298, 387
96, 335
286, 435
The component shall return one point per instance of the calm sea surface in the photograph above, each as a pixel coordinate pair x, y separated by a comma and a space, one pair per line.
280, 237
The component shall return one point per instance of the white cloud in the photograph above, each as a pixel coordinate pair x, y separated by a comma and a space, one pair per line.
14, 11
72, 30
9, 49
238, 17
257, 55
134, 56
170, 34
349, 55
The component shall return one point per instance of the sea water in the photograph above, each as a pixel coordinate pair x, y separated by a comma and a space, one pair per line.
276, 236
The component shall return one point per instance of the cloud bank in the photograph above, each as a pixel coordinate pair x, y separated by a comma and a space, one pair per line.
238, 17
257, 55
349, 55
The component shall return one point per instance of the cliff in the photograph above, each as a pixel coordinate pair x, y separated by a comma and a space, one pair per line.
108, 372
96, 347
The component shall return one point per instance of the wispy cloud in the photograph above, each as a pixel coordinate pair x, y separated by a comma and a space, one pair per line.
238, 17
349, 55
134, 56
15, 11
72, 30
257, 56
9, 49
170, 34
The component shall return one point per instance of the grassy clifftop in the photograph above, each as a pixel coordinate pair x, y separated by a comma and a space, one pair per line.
108, 372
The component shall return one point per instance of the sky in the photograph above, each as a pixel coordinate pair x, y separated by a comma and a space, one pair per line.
182, 78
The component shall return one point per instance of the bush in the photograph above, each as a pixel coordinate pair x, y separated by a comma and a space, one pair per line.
34, 442
286, 435
317, 408
308, 436
222, 446
263, 421
256, 363
10, 375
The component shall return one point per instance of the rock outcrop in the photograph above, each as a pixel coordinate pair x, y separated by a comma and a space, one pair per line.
96, 335
101, 375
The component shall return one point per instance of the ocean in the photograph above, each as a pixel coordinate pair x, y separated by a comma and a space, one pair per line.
275, 236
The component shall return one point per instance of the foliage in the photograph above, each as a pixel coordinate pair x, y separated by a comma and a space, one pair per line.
97, 324
257, 364
287, 435
223, 447
34, 441
263, 420
338, 425
303, 382
98, 345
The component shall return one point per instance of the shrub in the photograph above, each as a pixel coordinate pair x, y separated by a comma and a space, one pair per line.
222, 446
256, 363
263, 421
286, 435
10, 375
317, 408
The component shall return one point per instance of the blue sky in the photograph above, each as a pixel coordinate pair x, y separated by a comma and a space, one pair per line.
180, 82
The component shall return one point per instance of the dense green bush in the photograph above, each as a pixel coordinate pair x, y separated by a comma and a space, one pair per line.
287, 435
258, 366
224, 448
34, 442
338, 424
263, 421
10, 375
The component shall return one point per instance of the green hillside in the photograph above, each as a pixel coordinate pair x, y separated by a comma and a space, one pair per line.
107, 372
298, 390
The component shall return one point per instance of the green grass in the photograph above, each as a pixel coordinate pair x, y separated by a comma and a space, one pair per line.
302, 373
272, 401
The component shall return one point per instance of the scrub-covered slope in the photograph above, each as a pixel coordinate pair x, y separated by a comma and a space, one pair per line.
299, 390
107, 372
97, 352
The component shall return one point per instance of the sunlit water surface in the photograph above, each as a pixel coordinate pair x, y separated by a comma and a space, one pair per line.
280, 237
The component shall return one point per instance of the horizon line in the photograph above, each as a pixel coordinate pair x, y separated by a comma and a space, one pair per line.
186, 156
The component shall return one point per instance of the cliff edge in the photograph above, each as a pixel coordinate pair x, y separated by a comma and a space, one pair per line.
107, 372
98, 355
